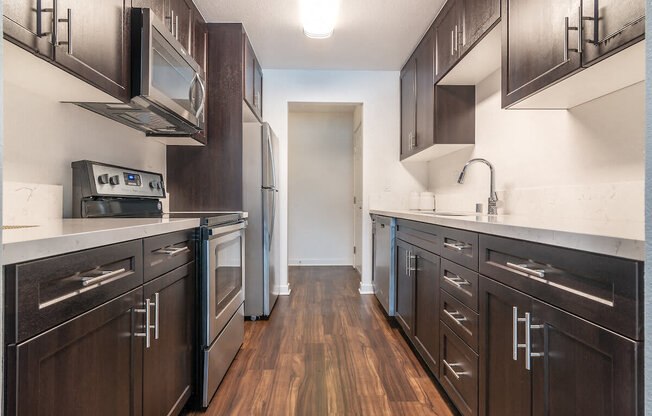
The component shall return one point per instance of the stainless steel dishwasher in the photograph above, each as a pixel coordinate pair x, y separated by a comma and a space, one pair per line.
384, 281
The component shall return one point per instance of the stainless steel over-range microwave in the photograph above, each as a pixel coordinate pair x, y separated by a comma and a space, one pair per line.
167, 85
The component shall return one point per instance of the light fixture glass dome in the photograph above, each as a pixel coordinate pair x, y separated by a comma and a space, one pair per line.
318, 17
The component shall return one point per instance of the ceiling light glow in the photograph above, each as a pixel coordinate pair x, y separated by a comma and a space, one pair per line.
318, 17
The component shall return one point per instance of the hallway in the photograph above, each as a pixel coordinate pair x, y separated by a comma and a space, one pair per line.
326, 350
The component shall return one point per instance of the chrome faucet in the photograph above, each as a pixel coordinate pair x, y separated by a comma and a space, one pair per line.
493, 198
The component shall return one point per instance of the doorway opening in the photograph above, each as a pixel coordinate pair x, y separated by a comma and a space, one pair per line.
325, 187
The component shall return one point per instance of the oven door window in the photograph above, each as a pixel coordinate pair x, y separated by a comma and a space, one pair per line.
227, 271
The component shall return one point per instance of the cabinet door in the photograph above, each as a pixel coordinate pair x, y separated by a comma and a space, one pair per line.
182, 13
538, 48
615, 24
425, 125
167, 363
448, 32
505, 384
408, 107
90, 365
426, 305
585, 369
25, 25
479, 16
93, 42
258, 88
248, 72
404, 286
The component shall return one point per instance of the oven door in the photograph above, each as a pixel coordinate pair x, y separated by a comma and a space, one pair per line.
224, 273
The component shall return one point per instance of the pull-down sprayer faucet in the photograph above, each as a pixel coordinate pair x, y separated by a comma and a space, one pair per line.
493, 198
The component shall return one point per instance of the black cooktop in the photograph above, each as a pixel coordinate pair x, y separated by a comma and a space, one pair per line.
211, 218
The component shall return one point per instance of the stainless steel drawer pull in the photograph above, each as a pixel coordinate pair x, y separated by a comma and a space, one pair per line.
68, 42
457, 281
456, 316
39, 18
525, 268
156, 314
172, 251
450, 368
457, 246
90, 280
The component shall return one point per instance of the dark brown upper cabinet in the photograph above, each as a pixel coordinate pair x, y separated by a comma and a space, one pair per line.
408, 107
29, 24
540, 45
252, 79
448, 37
611, 25
425, 94
161, 9
199, 52
93, 41
177, 15
478, 17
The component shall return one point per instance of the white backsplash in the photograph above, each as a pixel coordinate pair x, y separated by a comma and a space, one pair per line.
30, 203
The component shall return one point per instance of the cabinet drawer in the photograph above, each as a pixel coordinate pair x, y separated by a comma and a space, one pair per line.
53, 290
460, 246
426, 236
458, 370
167, 252
462, 320
604, 290
460, 282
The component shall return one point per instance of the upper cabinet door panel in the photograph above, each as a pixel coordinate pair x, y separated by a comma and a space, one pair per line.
408, 107
478, 17
539, 48
93, 42
448, 34
248, 72
258, 88
161, 8
23, 24
618, 24
425, 88
182, 22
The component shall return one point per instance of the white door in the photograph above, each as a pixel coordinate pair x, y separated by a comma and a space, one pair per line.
357, 197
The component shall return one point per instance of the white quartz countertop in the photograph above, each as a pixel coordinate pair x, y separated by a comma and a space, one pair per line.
624, 239
67, 235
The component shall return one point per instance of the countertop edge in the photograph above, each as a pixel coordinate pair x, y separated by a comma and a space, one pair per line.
28, 250
607, 245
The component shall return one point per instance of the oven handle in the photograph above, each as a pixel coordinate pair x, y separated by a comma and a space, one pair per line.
219, 231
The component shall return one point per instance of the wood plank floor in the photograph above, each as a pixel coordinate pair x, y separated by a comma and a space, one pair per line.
326, 350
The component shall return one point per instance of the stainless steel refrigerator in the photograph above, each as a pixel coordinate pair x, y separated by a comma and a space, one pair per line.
260, 200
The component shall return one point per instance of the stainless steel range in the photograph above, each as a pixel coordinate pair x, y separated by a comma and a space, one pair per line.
101, 190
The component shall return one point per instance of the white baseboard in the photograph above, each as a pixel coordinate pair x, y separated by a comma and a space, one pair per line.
366, 289
320, 262
284, 290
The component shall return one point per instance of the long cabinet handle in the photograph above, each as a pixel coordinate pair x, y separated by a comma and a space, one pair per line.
528, 337
567, 27
456, 246
525, 268
91, 280
39, 17
452, 42
67, 20
455, 373
457, 281
172, 251
146, 311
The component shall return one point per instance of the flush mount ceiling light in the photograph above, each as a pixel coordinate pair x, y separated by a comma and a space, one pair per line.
318, 17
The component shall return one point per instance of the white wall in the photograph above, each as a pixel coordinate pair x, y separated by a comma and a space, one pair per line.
320, 188
587, 162
42, 136
385, 180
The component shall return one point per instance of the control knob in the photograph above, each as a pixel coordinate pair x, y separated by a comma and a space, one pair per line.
103, 179
114, 180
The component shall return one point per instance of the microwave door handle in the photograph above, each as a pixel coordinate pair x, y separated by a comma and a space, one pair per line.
203, 96
191, 95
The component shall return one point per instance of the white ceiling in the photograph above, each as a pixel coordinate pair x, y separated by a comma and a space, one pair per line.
368, 35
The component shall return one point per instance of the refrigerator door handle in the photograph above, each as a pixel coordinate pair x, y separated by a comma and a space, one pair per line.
273, 219
271, 156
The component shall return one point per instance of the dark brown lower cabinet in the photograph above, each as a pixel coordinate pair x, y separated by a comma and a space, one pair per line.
505, 383
404, 287
565, 366
90, 365
584, 369
167, 362
426, 306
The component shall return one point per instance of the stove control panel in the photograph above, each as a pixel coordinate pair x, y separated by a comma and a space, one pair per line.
94, 179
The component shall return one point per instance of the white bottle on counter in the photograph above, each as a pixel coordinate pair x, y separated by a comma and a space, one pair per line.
427, 201
414, 201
